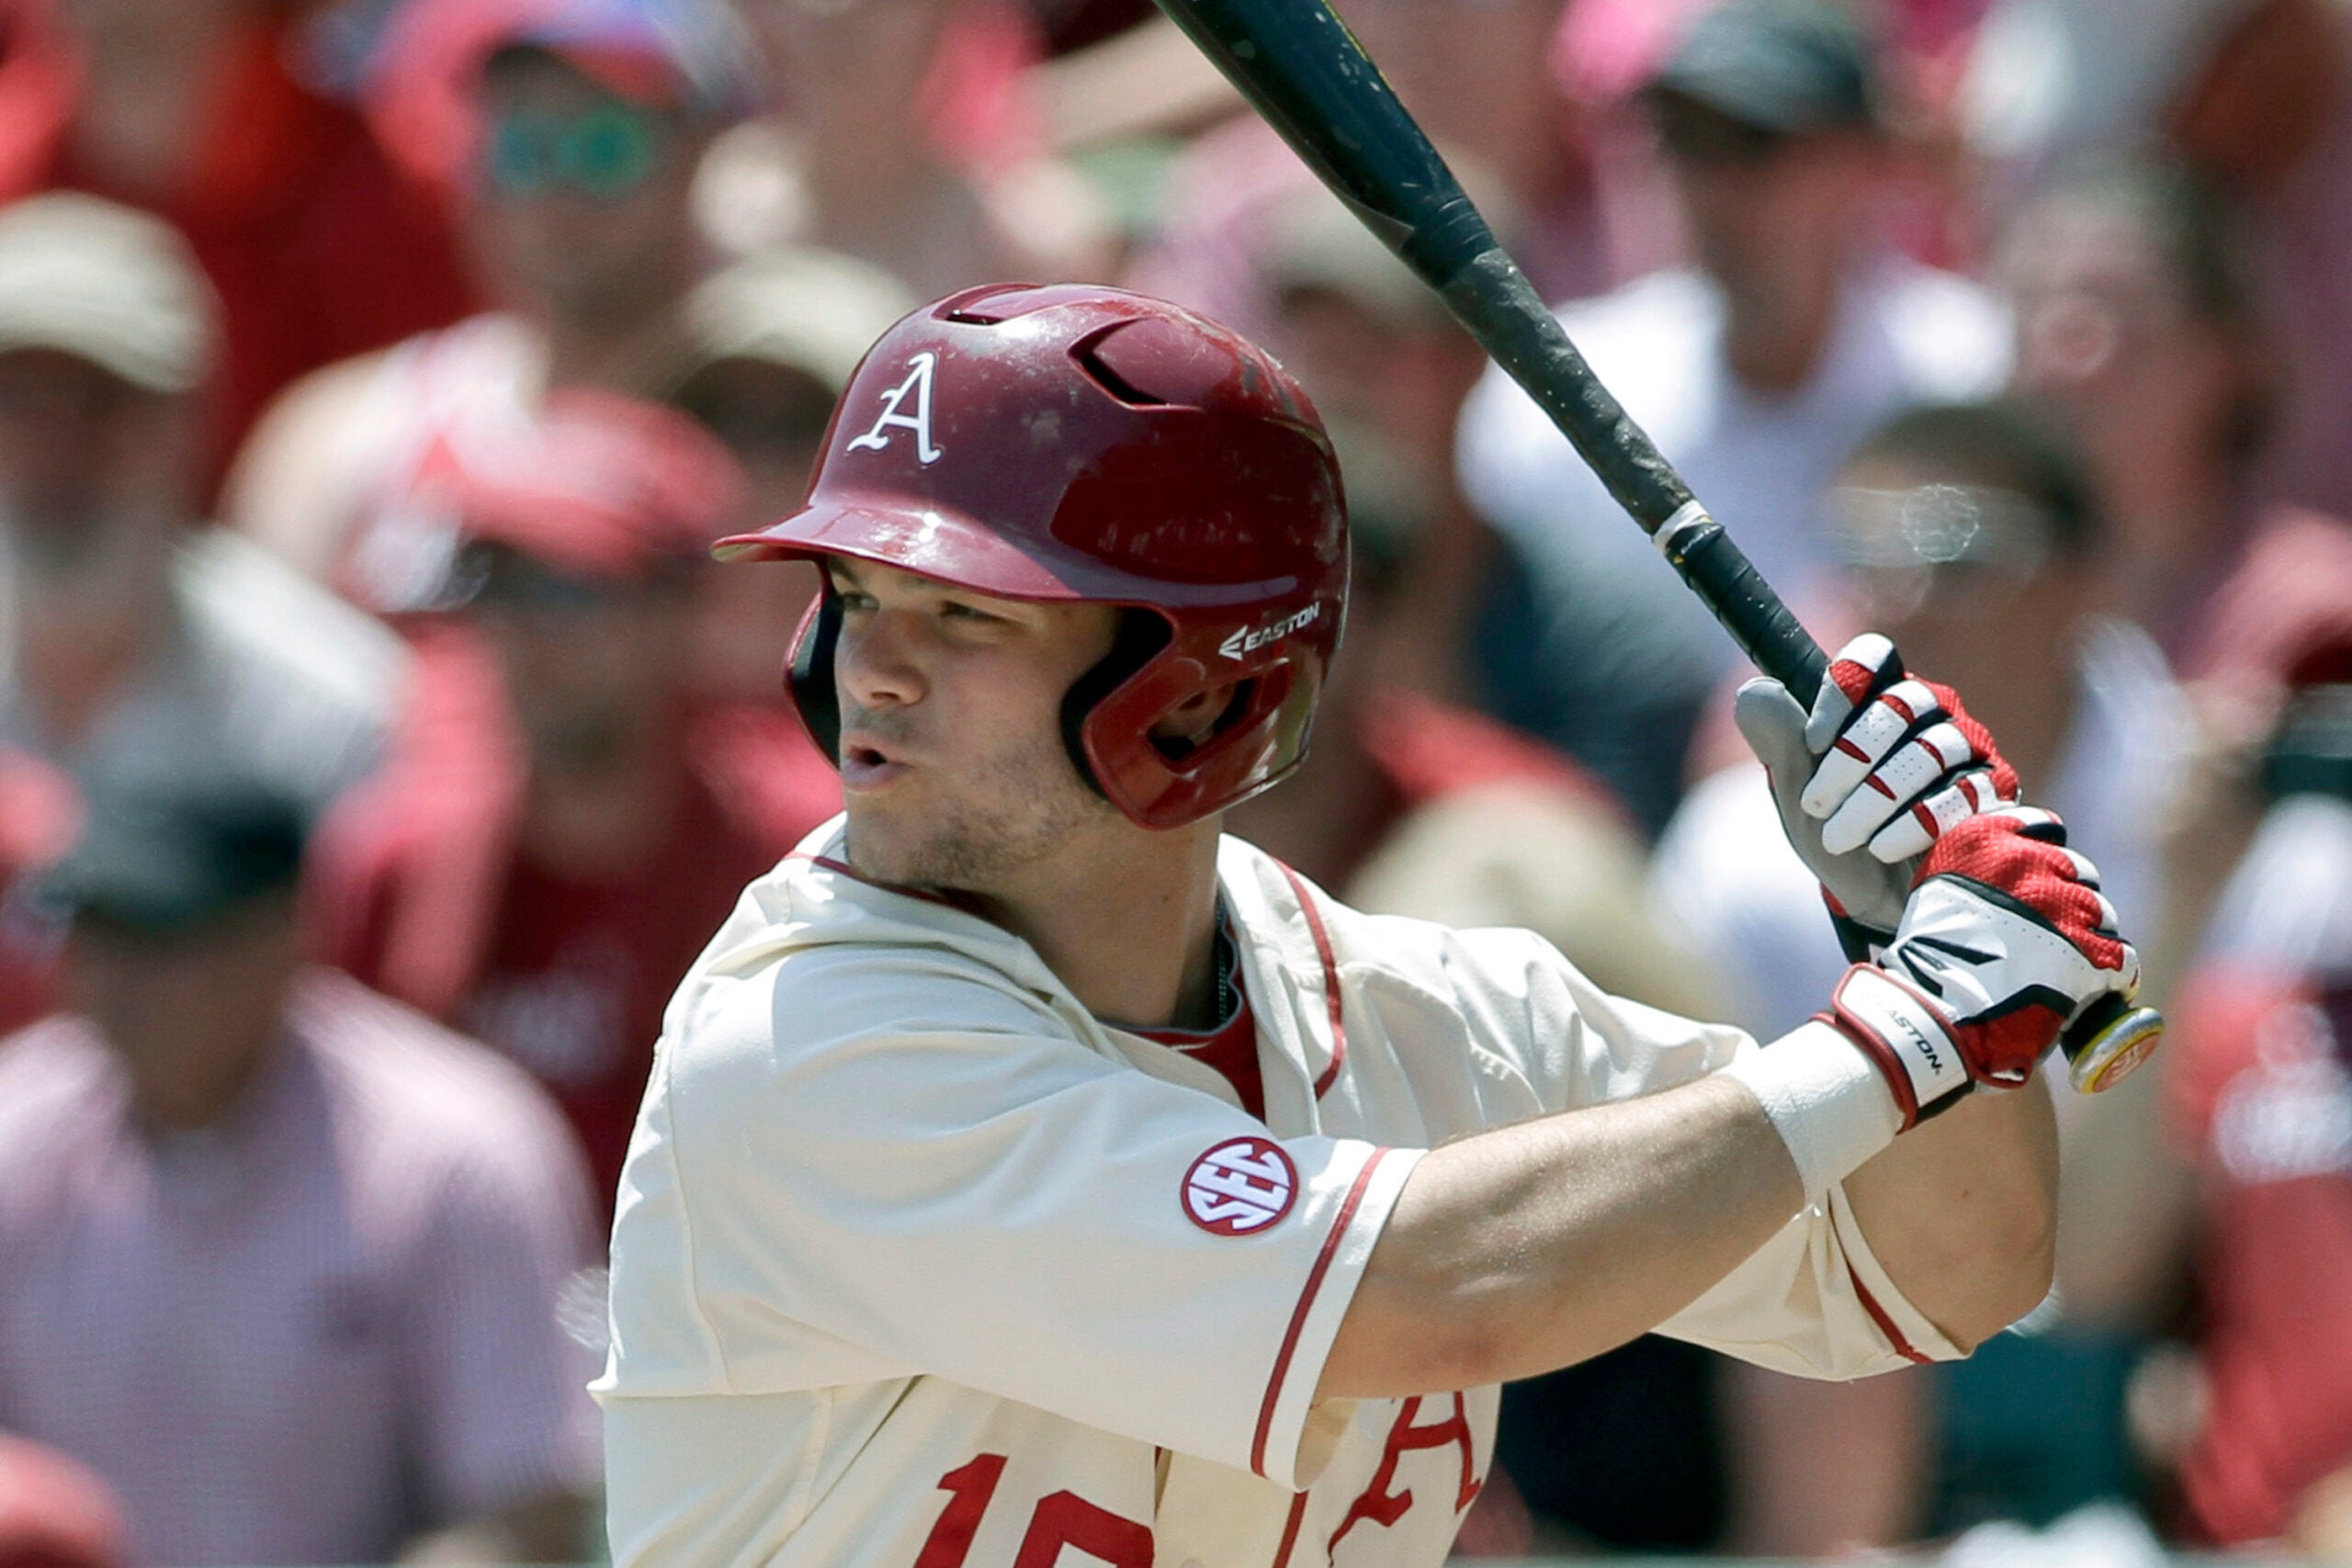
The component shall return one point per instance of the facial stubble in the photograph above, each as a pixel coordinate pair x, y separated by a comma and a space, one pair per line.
1011, 812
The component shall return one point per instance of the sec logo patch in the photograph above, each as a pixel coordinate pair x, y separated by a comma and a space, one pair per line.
1240, 1187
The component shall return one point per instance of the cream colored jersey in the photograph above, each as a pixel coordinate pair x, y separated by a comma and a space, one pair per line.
920, 1265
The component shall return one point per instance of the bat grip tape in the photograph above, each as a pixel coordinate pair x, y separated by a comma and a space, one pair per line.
1727, 583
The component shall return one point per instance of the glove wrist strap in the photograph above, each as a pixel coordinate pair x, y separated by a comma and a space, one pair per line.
1900, 1029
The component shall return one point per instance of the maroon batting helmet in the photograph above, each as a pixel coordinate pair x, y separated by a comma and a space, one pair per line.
1083, 444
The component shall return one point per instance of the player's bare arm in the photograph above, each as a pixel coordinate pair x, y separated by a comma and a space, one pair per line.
1525, 1250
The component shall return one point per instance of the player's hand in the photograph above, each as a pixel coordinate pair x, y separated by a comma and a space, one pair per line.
2006, 939
1882, 767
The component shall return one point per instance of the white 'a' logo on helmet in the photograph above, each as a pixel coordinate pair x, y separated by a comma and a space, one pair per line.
916, 386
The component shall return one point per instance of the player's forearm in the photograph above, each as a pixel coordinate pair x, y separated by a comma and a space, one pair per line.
1962, 1211
1529, 1247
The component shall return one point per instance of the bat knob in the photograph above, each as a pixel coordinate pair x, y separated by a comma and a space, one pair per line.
2108, 1041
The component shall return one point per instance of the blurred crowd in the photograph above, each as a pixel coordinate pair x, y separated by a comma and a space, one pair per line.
378, 743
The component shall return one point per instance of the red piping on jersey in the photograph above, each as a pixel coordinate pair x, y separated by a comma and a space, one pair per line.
1307, 1300
1902, 1346
841, 868
1330, 979
1290, 1530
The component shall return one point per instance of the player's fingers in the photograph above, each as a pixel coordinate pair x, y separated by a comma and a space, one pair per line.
1910, 773
2033, 822
1913, 831
2084, 871
1863, 666
1980, 739
1856, 752
2111, 923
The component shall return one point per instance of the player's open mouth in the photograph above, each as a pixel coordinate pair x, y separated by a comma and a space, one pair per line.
868, 768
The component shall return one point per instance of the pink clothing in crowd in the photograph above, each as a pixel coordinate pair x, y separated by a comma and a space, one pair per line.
2302, 234
310, 1332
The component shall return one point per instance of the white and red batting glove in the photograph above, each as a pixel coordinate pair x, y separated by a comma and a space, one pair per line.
2005, 939
1882, 767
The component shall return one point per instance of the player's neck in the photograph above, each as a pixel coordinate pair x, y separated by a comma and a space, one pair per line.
1129, 924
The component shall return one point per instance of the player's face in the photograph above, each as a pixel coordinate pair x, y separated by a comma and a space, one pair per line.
953, 761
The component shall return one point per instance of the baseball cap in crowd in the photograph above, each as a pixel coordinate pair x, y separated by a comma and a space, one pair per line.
423, 88
810, 311
54, 1512
687, 54
598, 486
1782, 66
108, 284
164, 852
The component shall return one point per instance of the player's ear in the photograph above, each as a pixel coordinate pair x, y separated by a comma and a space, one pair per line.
1195, 722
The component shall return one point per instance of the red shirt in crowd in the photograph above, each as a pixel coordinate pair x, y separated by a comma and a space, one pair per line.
37, 816
316, 246
2264, 1084
423, 892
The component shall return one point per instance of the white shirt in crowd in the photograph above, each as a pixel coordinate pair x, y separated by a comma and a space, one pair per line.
2287, 907
917, 1262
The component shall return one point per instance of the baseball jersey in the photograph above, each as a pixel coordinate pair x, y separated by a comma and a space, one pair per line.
920, 1265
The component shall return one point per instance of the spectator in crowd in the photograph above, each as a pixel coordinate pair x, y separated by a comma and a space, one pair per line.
1972, 539
2256, 96
1479, 78
2141, 321
2262, 1069
285, 1260
904, 135
1756, 372
572, 131
767, 347
539, 862
127, 632
1389, 368
318, 246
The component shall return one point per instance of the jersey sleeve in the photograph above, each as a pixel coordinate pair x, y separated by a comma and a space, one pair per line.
891, 1155
1812, 1301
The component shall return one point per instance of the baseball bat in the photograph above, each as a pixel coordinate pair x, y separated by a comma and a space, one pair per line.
1298, 65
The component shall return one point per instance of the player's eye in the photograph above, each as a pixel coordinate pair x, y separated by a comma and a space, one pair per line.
853, 602
953, 610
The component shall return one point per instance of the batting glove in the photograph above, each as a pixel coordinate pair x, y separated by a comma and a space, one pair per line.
2006, 939
1870, 780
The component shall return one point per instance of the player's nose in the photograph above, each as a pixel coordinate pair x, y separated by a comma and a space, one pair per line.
875, 664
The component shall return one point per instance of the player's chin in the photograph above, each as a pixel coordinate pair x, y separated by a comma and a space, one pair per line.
886, 844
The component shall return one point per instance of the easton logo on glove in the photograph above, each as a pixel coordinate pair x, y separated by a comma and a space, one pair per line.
2004, 941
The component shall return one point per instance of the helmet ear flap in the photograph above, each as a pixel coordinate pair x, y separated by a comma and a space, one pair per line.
808, 674
1140, 635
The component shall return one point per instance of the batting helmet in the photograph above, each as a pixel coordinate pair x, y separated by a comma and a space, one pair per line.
1081, 443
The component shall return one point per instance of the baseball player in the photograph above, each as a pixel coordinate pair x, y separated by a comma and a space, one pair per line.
1032, 1176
